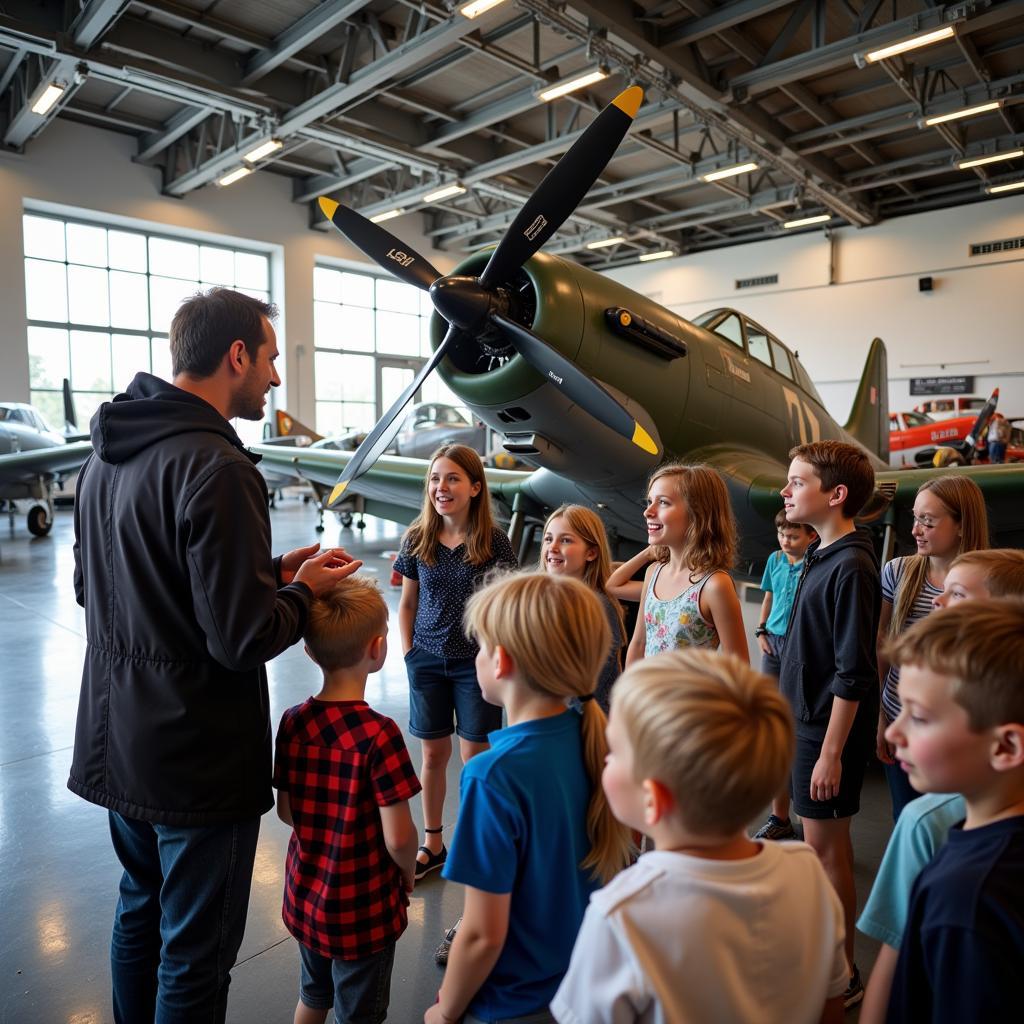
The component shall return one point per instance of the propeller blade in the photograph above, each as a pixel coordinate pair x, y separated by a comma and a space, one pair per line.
379, 439
380, 245
558, 195
575, 384
982, 421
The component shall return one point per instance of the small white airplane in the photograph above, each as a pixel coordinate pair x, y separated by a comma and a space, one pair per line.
35, 459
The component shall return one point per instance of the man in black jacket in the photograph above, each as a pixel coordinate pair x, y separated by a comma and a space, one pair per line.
183, 606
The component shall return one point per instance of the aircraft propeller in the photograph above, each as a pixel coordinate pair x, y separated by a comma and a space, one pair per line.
472, 304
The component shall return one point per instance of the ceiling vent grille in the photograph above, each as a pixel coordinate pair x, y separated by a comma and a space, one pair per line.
1004, 245
756, 282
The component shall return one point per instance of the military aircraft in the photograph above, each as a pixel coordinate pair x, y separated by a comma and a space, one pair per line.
35, 459
596, 385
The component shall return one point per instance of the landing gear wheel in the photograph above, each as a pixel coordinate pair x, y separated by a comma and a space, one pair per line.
346, 518
39, 523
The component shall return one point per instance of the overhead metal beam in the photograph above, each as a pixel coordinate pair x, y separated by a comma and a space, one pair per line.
401, 59
9, 72
726, 16
752, 128
517, 103
25, 122
299, 35
173, 129
94, 19
840, 53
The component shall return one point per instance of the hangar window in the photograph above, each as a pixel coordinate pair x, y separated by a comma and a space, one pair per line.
99, 303
371, 335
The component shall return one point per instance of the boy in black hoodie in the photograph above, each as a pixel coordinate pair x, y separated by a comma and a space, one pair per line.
828, 671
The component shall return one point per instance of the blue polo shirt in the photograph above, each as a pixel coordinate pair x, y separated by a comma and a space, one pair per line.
445, 587
780, 579
522, 830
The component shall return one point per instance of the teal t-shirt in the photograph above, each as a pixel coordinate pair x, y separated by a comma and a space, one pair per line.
920, 832
522, 830
780, 579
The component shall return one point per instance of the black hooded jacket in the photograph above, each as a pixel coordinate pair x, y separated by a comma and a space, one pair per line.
830, 644
182, 610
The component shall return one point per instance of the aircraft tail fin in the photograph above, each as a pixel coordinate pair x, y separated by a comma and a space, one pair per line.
869, 416
70, 416
289, 426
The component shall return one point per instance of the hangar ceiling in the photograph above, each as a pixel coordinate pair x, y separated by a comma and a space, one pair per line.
380, 103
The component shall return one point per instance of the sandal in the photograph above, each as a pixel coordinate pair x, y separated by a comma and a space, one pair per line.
433, 861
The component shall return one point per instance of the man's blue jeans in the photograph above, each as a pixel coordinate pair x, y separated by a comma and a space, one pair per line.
179, 921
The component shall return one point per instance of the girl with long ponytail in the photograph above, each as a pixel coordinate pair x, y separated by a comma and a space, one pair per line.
535, 836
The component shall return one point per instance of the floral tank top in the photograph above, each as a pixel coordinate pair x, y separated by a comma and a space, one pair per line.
677, 622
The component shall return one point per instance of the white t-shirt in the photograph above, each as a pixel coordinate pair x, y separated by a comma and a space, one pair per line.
677, 939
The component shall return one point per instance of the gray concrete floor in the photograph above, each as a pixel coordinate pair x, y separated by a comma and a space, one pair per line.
58, 873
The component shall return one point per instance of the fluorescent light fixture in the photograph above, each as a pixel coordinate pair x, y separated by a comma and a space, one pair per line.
46, 99
925, 39
966, 112
477, 7
819, 218
605, 242
995, 158
662, 255
729, 172
236, 175
455, 189
262, 150
567, 85
387, 215
1011, 186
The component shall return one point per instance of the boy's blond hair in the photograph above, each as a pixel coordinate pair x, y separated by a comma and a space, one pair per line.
555, 630
343, 620
716, 733
979, 645
837, 462
1003, 569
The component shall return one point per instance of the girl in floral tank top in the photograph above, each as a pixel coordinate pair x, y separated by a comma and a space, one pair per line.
689, 599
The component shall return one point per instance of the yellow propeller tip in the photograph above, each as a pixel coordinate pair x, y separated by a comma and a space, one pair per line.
328, 206
643, 440
629, 100
339, 490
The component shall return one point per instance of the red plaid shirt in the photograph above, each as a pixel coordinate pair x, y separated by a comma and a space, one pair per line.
339, 761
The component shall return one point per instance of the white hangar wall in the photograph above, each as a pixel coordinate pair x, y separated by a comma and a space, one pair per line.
89, 172
972, 323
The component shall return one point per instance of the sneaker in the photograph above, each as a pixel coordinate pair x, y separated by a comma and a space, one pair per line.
775, 829
441, 953
854, 991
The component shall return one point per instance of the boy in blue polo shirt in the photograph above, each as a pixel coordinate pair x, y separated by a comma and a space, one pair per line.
779, 583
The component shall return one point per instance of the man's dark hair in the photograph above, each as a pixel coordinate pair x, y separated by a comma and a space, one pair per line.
782, 523
837, 462
206, 323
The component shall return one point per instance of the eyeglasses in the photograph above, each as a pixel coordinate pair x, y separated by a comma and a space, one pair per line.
926, 522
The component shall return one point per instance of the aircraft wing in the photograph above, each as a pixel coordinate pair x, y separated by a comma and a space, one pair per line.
27, 466
392, 489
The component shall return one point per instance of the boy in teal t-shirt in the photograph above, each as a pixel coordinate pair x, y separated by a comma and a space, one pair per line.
779, 583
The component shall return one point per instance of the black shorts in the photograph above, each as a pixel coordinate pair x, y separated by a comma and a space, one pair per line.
846, 803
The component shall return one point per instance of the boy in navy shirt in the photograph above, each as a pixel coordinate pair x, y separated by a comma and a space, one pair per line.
961, 730
829, 672
344, 781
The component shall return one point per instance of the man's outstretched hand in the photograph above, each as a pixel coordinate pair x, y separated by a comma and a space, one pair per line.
319, 571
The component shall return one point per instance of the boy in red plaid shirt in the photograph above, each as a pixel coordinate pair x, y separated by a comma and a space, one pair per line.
344, 781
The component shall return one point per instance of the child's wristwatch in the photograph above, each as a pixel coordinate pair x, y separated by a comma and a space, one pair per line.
761, 630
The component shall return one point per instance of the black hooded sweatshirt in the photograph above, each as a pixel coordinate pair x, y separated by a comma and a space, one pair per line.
182, 609
830, 644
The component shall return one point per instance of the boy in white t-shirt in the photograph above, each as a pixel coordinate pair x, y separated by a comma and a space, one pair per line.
711, 925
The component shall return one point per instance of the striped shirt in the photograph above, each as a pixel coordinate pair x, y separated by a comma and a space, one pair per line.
892, 574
